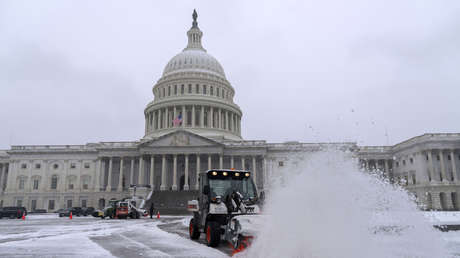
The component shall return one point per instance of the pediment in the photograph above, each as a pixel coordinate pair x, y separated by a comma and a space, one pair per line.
180, 139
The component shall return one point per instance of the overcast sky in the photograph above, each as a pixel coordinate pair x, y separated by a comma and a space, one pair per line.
373, 72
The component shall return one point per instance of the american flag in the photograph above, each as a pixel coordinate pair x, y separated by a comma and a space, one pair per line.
178, 120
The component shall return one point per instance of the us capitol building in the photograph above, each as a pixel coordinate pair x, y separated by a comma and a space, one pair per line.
193, 125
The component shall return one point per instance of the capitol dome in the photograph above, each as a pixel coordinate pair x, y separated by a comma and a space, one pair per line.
194, 95
194, 60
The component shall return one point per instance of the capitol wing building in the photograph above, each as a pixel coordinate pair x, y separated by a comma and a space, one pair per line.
193, 125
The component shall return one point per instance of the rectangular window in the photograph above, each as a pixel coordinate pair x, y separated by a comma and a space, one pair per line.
87, 165
197, 90
182, 89
175, 89
204, 89
83, 203
69, 203
169, 91
73, 165
281, 163
427, 158
404, 162
37, 166
70, 186
411, 161
437, 157
190, 89
218, 92
19, 203
21, 184
50, 204
448, 157
163, 92
211, 91
35, 184
85, 186
23, 165
397, 164
54, 182
33, 205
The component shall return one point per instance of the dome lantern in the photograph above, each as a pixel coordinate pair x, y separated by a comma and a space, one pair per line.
194, 35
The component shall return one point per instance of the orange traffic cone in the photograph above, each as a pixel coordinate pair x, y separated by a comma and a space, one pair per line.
23, 216
158, 215
70, 216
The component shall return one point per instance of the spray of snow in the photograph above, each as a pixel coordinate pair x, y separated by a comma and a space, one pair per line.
324, 206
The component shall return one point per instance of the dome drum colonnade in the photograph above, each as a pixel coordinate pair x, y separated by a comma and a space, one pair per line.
194, 88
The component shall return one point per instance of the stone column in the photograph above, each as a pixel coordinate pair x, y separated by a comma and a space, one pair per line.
158, 119
120, 177
226, 120
2, 172
174, 186
254, 170
109, 179
164, 115
183, 117
443, 169
454, 167
131, 172
430, 158
97, 176
152, 172
198, 167
387, 169
163, 173
186, 186
140, 175
175, 115
232, 162
264, 171
211, 116
202, 117
221, 161
209, 161
243, 167
193, 116
220, 119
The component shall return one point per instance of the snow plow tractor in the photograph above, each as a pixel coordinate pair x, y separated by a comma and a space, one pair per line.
226, 209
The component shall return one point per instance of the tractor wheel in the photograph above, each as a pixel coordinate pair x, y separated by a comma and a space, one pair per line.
212, 234
194, 230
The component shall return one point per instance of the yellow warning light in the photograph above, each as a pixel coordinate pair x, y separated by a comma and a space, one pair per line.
225, 173
232, 169
237, 174
247, 174
214, 173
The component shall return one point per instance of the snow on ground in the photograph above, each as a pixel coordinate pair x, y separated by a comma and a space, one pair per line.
443, 217
48, 235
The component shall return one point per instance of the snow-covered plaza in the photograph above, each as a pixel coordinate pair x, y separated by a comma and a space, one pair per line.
48, 235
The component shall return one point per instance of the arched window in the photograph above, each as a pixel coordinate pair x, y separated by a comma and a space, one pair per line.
211, 91
54, 181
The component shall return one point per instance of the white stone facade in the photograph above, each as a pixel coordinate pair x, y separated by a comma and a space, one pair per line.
193, 125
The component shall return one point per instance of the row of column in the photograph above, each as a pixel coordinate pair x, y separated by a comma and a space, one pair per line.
432, 167
217, 118
164, 174
176, 90
370, 164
